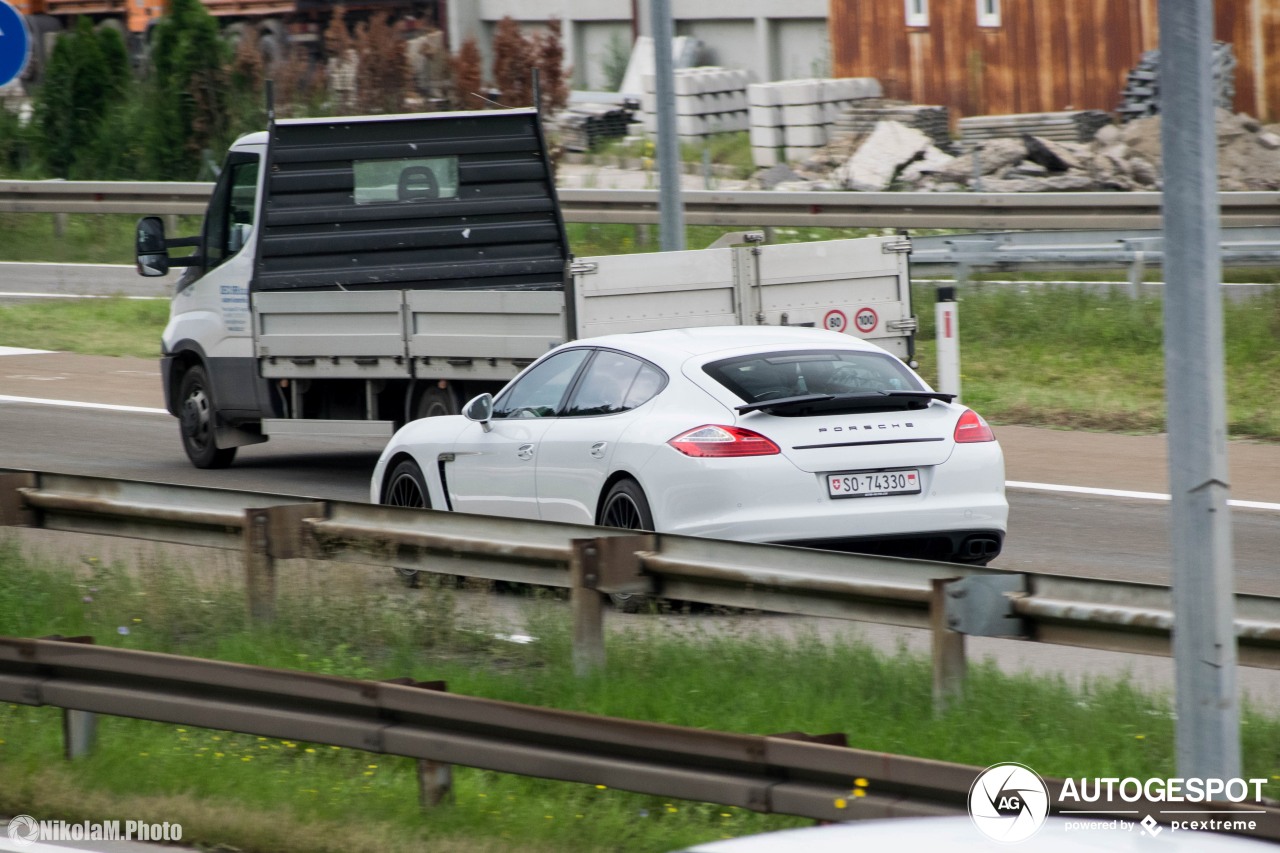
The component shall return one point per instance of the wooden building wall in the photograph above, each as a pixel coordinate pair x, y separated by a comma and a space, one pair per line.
1046, 55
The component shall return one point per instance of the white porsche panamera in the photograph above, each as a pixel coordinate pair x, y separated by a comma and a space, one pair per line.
783, 435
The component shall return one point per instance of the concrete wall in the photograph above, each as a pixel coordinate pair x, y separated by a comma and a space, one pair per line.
771, 39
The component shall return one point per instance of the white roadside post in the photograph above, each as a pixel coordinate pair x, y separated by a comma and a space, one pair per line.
947, 317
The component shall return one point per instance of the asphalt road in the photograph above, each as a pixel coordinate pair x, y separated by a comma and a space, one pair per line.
1097, 528
1072, 532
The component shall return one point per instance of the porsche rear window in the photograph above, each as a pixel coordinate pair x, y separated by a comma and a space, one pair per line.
790, 373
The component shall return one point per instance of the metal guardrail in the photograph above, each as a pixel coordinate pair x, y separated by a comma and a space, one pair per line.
775, 774
711, 207
1068, 250
760, 773
952, 600
786, 774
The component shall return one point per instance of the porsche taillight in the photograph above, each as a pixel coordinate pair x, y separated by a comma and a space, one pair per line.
714, 441
972, 428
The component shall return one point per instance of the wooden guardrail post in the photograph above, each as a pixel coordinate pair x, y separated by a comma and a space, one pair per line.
270, 534
14, 511
949, 663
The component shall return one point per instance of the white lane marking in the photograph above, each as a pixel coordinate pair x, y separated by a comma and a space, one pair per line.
24, 295
23, 351
1122, 493
71, 404
1012, 484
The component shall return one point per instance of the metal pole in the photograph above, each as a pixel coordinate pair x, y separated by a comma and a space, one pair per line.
1204, 646
670, 208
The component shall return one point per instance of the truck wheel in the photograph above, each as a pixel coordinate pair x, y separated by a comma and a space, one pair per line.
435, 401
197, 420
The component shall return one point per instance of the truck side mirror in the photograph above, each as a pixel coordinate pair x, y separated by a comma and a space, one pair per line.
479, 409
152, 253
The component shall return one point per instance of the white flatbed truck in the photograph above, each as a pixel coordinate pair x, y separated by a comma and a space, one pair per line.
356, 273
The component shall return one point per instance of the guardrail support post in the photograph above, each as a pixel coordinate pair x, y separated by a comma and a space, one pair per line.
435, 783
949, 663
79, 732
14, 511
587, 604
259, 567
272, 533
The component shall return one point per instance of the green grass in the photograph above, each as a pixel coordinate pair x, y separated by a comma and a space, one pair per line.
269, 794
1068, 358
116, 326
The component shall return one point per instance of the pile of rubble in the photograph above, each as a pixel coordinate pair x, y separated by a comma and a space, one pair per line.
1120, 157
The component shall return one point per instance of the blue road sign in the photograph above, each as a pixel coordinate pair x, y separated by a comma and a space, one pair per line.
15, 43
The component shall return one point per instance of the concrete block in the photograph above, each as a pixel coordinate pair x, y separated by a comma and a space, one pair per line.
808, 113
689, 105
691, 125
765, 156
686, 84
766, 116
800, 92
763, 94
767, 137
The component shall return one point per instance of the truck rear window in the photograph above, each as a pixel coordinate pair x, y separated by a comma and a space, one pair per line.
417, 179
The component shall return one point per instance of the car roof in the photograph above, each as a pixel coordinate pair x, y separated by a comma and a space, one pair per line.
725, 340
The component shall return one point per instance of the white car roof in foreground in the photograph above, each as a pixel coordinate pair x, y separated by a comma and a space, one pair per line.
725, 340
959, 835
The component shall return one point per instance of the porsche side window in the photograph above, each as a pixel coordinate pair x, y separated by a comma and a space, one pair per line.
539, 393
614, 383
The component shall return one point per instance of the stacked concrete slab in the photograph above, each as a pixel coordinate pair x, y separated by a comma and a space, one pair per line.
709, 100
792, 119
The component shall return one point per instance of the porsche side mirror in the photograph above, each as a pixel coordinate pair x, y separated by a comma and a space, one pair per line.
480, 409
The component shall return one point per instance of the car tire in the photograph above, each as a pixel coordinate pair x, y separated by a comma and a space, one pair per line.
406, 487
626, 506
198, 420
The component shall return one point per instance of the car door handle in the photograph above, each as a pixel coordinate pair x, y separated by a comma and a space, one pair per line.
597, 449
525, 451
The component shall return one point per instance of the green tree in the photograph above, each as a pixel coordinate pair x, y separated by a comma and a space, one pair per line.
188, 91
87, 74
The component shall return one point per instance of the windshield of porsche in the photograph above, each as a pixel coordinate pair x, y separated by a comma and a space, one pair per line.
801, 382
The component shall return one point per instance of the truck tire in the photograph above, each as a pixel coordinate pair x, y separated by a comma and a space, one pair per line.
197, 420
434, 401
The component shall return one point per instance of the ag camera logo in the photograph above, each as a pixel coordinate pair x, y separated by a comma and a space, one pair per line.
1008, 802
